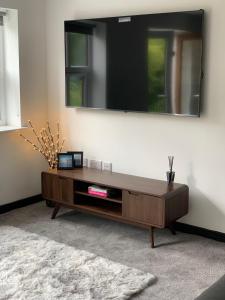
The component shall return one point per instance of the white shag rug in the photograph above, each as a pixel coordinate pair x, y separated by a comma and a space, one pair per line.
35, 267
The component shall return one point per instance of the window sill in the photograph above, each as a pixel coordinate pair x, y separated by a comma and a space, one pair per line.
10, 128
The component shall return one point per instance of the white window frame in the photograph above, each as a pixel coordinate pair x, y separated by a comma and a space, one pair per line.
2, 76
10, 109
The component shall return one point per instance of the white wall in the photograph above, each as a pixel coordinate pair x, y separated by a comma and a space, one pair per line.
20, 166
140, 143
198, 144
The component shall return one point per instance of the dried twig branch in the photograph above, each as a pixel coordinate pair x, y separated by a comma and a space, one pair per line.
47, 146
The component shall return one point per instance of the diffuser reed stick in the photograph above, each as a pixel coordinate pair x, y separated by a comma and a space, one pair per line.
171, 158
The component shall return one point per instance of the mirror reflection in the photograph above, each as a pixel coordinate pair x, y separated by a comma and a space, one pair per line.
146, 63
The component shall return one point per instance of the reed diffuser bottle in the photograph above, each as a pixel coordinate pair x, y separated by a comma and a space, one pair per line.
170, 174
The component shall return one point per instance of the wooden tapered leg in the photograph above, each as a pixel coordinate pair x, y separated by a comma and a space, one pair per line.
55, 211
172, 229
152, 237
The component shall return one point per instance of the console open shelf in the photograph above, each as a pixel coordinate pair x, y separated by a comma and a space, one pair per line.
118, 200
97, 204
113, 211
81, 188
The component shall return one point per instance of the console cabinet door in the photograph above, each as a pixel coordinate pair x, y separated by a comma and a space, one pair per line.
57, 188
143, 208
50, 187
66, 190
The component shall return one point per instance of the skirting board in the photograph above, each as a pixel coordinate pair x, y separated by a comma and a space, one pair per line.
210, 234
215, 235
20, 203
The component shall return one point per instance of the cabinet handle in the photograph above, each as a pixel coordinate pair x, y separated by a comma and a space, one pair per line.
133, 193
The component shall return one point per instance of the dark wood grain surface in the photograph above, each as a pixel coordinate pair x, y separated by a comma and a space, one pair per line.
157, 188
141, 201
143, 208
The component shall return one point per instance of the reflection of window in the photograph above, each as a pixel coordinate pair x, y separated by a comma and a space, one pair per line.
75, 88
77, 46
160, 57
157, 52
78, 64
77, 68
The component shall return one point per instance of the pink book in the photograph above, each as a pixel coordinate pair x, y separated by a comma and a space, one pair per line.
101, 194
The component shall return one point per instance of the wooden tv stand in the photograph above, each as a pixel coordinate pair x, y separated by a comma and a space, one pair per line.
139, 201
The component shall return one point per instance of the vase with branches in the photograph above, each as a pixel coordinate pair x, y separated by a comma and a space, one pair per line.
47, 143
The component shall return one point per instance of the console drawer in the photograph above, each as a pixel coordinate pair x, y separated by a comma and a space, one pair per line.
143, 208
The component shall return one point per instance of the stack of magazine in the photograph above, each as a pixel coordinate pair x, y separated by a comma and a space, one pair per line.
97, 191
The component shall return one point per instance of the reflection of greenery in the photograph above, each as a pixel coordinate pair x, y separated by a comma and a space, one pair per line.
75, 91
156, 73
77, 43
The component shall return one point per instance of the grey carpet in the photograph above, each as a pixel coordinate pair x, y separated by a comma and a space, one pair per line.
184, 264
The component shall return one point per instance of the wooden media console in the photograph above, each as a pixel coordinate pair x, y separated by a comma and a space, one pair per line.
144, 202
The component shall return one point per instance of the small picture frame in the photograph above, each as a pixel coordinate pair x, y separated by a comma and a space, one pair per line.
77, 158
65, 161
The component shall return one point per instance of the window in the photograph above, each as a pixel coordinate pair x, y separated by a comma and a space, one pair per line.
2, 73
10, 114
